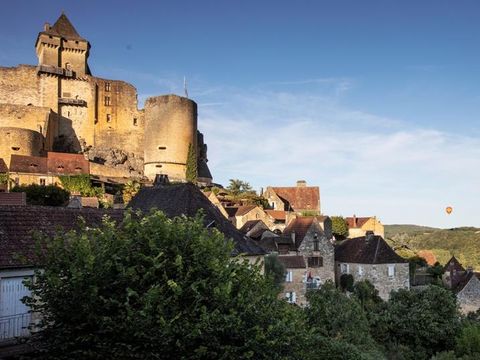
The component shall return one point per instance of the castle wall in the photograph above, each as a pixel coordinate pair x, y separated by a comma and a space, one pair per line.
19, 85
20, 142
170, 126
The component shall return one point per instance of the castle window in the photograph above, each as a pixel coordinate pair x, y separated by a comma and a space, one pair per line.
107, 100
107, 86
15, 148
134, 121
109, 118
158, 166
162, 148
43, 181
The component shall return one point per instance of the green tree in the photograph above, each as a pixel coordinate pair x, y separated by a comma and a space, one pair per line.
468, 341
191, 172
80, 184
151, 288
275, 269
424, 321
334, 315
346, 282
130, 189
339, 227
436, 271
237, 187
49, 195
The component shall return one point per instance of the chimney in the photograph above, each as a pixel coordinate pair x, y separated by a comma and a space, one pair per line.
354, 222
301, 183
46, 27
161, 179
369, 236
261, 191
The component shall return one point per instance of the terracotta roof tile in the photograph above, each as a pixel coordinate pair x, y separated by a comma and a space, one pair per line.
300, 227
360, 221
18, 224
292, 262
28, 164
428, 255
66, 163
300, 197
370, 249
278, 215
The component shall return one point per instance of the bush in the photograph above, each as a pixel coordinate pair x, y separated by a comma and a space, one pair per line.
49, 195
346, 282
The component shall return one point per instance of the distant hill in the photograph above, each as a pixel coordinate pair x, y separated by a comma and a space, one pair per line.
462, 242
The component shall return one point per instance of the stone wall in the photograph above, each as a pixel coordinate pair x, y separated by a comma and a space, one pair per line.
255, 214
377, 274
297, 285
170, 126
19, 85
20, 142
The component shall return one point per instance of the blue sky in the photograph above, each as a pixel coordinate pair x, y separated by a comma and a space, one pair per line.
377, 102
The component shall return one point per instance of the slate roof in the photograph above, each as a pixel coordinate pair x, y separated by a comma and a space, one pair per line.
28, 164
18, 224
370, 249
3, 166
186, 199
300, 197
292, 262
254, 229
64, 28
360, 221
465, 279
202, 170
453, 264
13, 198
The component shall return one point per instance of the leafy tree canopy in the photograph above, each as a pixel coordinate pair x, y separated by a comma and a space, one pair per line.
339, 227
237, 187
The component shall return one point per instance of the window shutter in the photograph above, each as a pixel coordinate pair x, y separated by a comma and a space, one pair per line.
294, 297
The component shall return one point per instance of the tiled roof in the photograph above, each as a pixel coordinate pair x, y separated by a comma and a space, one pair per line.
28, 164
18, 224
66, 163
279, 215
64, 28
360, 221
300, 197
300, 227
292, 262
187, 199
370, 249
13, 198
428, 255
3, 166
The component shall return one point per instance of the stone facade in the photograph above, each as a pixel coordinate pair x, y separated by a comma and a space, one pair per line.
80, 113
384, 280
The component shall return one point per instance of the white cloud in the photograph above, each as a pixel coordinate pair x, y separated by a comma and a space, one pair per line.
363, 163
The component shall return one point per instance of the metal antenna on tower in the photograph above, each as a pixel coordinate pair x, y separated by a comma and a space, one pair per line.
185, 86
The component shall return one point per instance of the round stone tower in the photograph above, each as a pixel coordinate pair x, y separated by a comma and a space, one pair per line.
17, 141
170, 128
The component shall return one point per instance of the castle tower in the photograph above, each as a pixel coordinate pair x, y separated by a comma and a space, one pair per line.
170, 127
61, 47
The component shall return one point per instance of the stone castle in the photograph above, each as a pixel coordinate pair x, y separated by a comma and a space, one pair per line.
59, 106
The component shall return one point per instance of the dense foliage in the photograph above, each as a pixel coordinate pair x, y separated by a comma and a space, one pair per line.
49, 195
191, 171
80, 184
339, 227
130, 189
154, 287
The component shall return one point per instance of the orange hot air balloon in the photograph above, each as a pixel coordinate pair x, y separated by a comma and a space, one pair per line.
449, 210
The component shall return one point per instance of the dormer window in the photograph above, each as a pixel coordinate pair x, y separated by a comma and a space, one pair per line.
78, 169
33, 165
60, 167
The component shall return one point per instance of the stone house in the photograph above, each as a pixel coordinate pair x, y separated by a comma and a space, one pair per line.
465, 283
310, 239
239, 215
300, 199
358, 226
371, 258
26, 170
257, 230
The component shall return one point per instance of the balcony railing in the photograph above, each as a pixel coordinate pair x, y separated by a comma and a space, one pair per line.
14, 326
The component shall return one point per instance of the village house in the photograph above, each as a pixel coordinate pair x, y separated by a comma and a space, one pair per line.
257, 230
26, 170
214, 199
301, 199
239, 215
279, 219
371, 258
308, 242
359, 226
465, 283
